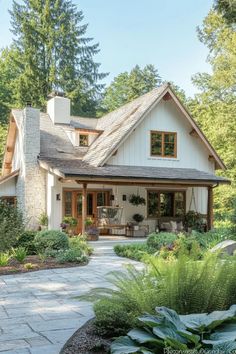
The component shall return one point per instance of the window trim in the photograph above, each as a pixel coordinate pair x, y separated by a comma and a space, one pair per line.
163, 133
158, 216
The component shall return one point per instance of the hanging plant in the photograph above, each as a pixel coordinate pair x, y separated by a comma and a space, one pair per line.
136, 200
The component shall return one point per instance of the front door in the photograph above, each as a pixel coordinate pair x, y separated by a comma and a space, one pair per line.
73, 204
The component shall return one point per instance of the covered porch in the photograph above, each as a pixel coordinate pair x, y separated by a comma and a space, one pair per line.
167, 194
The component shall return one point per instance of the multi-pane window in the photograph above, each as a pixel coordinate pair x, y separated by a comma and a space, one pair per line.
68, 203
163, 144
83, 140
165, 204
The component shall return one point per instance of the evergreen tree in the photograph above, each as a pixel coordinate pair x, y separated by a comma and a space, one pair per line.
128, 86
54, 54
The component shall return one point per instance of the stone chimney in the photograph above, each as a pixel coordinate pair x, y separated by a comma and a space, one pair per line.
58, 108
31, 181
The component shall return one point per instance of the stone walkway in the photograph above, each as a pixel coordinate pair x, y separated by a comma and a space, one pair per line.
38, 311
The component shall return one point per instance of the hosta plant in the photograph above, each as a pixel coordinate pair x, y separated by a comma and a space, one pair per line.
214, 332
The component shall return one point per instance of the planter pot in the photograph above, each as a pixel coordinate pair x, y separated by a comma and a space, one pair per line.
92, 237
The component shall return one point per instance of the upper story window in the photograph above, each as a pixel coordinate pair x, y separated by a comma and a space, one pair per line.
83, 140
163, 144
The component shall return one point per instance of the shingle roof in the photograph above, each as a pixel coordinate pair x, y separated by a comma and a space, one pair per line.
78, 168
118, 124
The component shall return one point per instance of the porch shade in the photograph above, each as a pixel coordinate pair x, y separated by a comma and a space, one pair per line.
78, 169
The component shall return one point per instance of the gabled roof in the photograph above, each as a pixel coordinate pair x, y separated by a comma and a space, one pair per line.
119, 124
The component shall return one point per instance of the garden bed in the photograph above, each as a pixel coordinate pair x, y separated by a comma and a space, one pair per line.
85, 340
36, 264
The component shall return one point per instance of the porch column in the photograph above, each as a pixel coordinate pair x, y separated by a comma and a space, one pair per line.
210, 208
84, 206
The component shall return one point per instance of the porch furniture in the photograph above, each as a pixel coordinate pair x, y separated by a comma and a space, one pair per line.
141, 231
109, 217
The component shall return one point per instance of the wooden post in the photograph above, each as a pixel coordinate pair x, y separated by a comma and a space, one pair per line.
84, 206
210, 208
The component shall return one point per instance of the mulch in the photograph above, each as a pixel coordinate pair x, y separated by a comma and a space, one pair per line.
86, 341
15, 267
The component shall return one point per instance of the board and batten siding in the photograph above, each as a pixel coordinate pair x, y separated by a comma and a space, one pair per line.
191, 152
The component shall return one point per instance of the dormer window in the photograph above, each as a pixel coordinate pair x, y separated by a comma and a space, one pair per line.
83, 140
163, 144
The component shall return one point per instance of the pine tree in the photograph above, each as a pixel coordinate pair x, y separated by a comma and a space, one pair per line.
54, 54
128, 86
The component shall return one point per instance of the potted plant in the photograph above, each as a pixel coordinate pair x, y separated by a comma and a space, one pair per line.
194, 221
136, 199
91, 230
43, 221
69, 224
137, 218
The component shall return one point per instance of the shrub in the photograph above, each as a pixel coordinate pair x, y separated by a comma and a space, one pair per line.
183, 245
4, 259
19, 254
29, 266
51, 240
26, 240
135, 251
162, 239
185, 285
71, 255
107, 314
43, 219
195, 333
81, 243
11, 225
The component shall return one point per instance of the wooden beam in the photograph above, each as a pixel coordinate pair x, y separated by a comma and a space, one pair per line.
141, 183
84, 206
167, 97
210, 208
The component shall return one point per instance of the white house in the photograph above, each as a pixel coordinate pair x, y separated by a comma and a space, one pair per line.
151, 147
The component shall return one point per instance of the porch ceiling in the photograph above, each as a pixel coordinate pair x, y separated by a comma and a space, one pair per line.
81, 171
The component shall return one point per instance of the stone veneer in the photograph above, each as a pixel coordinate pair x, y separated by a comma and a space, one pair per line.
31, 184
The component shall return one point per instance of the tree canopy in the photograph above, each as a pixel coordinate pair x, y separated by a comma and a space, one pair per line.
53, 52
129, 85
228, 9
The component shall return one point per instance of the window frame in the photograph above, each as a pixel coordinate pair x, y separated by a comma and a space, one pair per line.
163, 133
87, 137
9, 198
159, 216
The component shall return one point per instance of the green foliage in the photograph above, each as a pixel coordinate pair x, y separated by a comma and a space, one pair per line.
128, 86
136, 251
19, 254
228, 9
136, 200
69, 220
182, 333
3, 135
81, 243
194, 220
26, 240
4, 258
161, 239
214, 107
53, 53
43, 219
183, 284
11, 225
138, 218
71, 255
29, 266
108, 313
51, 240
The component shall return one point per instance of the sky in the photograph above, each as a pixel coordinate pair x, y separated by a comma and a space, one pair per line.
130, 32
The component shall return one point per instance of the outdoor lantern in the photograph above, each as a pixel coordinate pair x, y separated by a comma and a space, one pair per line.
112, 197
58, 196
124, 197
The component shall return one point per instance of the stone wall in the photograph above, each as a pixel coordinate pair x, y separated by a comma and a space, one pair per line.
31, 184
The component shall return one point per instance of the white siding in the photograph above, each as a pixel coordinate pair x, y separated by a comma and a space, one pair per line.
55, 210
191, 152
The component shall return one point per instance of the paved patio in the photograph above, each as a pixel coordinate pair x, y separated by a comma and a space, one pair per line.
38, 312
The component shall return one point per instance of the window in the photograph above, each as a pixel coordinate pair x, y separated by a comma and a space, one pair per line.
163, 144
83, 140
165, 204
9, 200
